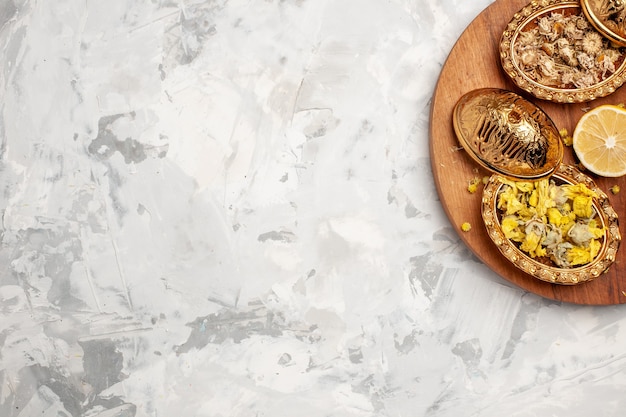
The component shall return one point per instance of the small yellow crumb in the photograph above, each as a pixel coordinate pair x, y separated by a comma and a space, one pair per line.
615, 189
466, 227
565, 136
472, 187
621, 105
485, 180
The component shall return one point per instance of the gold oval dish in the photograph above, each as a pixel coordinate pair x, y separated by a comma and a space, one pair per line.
507, 134
551, 50
608, 17
542, 270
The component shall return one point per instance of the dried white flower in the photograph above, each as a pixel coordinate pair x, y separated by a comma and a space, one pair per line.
548, 48
572, 31
592, 43
566, 52
568, 55
585, 79
586, 61
606, 65
581, 23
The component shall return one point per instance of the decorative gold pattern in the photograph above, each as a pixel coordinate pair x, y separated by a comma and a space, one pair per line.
507, 134
565, 276
528, 16
608, 17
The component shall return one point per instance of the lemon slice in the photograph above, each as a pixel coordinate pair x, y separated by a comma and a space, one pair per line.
599, 140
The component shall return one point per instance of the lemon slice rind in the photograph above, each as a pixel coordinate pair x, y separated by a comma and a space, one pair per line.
599, 140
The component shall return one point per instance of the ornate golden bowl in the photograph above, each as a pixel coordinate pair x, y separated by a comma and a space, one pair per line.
545, 270
507, 134
544, 58
607, 16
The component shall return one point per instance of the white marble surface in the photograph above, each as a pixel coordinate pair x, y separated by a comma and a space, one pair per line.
226, 208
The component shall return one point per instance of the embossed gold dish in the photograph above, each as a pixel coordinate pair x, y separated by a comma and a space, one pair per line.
515, 140
550, 85
507, 134
544, 271
608, 17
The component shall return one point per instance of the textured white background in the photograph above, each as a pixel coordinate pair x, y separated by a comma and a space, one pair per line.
225, 208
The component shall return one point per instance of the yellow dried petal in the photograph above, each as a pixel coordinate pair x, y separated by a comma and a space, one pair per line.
594, 249
572, 190
511, 229
582, 206
533, 200
555, 217
530, 243
525, 186
472, 186
508, 201
578, 256
566, 137
596, 230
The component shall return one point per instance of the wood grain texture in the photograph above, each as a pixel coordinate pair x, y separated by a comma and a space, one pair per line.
474, 63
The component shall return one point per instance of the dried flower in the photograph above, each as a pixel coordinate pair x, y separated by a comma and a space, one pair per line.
556, 224
564, 51
565, 137
472, 187
572, 30
592, 43
466, 227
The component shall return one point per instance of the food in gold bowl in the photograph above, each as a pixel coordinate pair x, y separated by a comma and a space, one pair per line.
560, 229
551, 50
548, 219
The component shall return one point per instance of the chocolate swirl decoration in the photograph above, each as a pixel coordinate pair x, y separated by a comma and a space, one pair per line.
507, 134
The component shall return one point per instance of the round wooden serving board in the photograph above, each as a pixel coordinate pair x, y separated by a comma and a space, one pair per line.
474, 63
